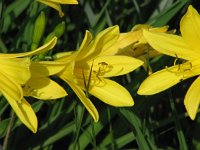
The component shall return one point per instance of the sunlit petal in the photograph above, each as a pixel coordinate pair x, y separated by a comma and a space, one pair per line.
16, 68
171, 45
81, 95
43, 88
124, 42
100, 44
111, 93
41, 49
46, 68
14, 95
192, 99
83, 50
25, 113
190, 27
64, 1
10, 88
160, 81
109, 66
54, 5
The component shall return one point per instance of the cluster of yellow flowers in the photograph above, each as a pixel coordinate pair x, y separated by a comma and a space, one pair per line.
109, 54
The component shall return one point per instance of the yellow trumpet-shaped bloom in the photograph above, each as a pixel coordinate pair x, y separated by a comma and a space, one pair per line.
185, 47
134, 44
90, 68
56, 4
14, 74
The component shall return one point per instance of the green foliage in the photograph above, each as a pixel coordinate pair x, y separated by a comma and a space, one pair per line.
155, 122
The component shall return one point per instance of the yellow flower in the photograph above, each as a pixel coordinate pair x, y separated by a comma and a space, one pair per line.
185, 47
56, 4
138, 46
134, 44
14, 73
90, 68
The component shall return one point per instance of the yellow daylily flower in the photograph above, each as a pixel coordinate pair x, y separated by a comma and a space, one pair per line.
56, 4
90, 68
14, 73
185, 47
134, 44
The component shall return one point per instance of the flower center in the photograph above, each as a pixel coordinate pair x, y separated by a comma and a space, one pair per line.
103, 69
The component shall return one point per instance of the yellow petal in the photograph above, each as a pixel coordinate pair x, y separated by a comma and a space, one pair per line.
192, 99
124, 42
109, 66
81, 95
171, 45
44, 48
54, 5
160, 81
100, 45
63, 55
16, 68
87, 42
159, 29
9, 88
64, 1
46, 68
166, 78
43, 88
14, 95
25, 113
112, 93
190, 28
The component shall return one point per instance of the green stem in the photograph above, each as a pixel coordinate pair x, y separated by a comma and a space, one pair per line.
180, 134
5, 143
79, 126
93, 134
111, 129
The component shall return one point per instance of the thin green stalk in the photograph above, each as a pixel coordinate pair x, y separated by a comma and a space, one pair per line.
180, 134
78, 127
111, 130
5, 143
93, 134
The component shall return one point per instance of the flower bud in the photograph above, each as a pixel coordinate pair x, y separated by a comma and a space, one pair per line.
39, 29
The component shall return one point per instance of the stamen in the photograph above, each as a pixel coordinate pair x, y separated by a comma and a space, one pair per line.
182, 69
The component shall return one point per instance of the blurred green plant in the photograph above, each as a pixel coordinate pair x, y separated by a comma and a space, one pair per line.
154, 122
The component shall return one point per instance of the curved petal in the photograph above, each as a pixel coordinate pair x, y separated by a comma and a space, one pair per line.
64, 1
81, 95
43, 88
102, 42
46, 68
14, 95
190, 28
9, 88
171, 45
160, 81
108, 66
54, 5
124, 43
16, 68
42, 49
25, 113
192, 99
83, 50
62, 56
112, 93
